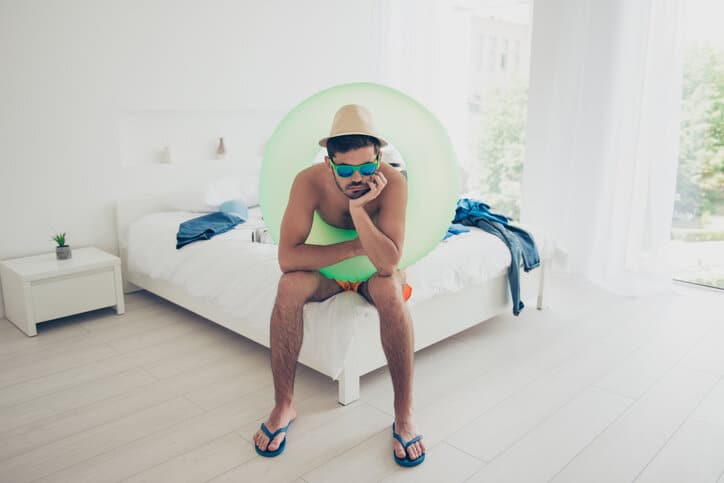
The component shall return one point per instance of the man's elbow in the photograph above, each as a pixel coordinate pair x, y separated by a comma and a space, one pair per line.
285, 262
286, 266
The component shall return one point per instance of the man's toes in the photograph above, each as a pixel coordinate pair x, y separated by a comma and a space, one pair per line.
416, 450
399, 451
274, 445
263, 442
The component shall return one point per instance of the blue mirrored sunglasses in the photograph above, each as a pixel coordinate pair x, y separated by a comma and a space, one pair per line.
347, 170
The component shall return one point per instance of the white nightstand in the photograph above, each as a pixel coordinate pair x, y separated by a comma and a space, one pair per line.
40, 287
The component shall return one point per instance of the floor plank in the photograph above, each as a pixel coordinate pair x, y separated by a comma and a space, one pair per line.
624, 448
596, 387
545, 450
694, 454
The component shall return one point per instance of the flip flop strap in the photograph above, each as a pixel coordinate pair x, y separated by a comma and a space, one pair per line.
271, 435
406, 444
413, 440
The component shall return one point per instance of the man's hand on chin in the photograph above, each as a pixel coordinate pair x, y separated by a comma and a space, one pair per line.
376, 183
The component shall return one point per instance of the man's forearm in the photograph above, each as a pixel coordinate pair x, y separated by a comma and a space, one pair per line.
382, 252
314, 257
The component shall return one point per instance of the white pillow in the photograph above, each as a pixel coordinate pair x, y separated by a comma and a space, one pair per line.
189, 199
222, 189
207, 198
250, 191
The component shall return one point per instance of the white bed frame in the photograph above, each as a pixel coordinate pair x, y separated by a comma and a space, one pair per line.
434, 319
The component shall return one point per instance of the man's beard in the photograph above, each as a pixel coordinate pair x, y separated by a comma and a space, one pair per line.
354, 194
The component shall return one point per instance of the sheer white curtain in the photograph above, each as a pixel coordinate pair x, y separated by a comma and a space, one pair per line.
602, 137
425, 54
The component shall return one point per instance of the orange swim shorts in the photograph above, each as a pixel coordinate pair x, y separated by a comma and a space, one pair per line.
354, 287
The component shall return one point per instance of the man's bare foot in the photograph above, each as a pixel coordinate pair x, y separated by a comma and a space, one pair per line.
279, 417
406, 429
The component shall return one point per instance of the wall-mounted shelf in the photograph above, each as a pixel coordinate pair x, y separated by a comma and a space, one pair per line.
192, 136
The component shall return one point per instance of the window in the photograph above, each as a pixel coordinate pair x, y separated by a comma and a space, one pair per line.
467, 61
492, 53
697, 247
504, 55
496, 129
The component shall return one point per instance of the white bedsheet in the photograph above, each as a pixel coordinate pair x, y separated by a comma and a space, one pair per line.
241, 277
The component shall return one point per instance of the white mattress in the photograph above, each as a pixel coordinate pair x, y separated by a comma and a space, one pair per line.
241, 277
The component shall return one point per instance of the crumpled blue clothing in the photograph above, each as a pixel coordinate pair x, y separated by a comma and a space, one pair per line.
205, 227
455, 229
521, 245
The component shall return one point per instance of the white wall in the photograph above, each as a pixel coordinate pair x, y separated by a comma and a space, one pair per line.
74, 71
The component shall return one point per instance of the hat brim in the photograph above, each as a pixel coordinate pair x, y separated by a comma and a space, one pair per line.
323, 141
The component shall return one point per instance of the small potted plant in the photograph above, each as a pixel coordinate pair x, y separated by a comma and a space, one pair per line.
62, 251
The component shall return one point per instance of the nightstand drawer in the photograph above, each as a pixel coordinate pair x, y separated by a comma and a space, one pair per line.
72, 294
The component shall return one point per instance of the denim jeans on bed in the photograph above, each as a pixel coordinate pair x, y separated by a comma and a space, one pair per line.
520, 243
205, 227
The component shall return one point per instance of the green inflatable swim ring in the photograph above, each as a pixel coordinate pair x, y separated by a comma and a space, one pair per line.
432, 172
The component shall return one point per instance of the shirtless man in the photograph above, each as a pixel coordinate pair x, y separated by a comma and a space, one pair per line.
354, 189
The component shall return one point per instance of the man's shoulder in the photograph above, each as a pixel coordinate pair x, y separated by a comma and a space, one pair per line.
310, 174
307, 181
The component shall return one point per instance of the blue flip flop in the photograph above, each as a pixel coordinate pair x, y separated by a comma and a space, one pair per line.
406, 461
271, 436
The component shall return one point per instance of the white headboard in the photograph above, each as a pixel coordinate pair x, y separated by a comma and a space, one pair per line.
130, 210
127, 211
192, 137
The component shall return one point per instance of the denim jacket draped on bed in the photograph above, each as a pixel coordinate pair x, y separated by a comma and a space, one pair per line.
476, 213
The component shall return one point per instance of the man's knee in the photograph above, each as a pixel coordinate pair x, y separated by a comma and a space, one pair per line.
385, 291
295, 288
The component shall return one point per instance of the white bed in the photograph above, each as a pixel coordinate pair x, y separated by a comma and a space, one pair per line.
233, 282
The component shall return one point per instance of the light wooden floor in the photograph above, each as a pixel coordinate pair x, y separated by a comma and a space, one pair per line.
595, 387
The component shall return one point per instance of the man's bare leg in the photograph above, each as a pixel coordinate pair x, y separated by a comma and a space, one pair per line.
396, 332
286, 333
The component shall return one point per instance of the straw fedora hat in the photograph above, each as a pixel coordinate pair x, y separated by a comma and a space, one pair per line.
352, 119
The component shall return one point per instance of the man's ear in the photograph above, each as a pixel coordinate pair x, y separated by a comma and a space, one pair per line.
326, 161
